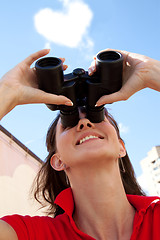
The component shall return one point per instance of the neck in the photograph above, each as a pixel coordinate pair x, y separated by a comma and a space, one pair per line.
101, 206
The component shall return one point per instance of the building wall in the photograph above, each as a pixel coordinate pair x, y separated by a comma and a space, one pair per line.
18, 168
151, 171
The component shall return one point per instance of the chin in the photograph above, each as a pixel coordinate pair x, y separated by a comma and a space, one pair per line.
96, 155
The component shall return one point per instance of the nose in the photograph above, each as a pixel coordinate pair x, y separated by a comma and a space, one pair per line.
84, 124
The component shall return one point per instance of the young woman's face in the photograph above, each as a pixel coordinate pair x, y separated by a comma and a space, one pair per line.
87, 142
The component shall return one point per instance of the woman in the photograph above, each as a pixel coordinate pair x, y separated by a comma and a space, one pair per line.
96, 205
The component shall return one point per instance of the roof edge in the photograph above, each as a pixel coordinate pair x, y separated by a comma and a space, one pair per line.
5, 131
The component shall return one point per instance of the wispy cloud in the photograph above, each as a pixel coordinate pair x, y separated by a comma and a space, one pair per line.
68, 26
123, 128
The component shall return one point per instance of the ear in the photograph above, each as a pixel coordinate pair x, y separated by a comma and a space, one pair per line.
57, 163
122, 148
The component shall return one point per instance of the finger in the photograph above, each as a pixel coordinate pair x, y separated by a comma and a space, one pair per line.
92, 68
133, 85
62, 59
33, 57
93, 63
114, 97
65, 67
129, 56
39, 96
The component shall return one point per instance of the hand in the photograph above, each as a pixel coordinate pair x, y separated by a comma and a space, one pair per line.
20, 86
21, 83
139, 72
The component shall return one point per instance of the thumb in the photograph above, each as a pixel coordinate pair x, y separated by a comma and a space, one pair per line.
133, 85
114, 97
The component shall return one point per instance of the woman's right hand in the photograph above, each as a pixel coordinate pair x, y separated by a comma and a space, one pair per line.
20, 86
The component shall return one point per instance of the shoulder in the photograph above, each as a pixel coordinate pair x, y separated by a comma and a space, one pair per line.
27, 227
7, 232
36, 220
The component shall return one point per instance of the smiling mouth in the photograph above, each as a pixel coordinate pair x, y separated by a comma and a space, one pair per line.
87, 138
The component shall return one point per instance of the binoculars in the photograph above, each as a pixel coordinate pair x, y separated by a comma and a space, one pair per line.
83, 90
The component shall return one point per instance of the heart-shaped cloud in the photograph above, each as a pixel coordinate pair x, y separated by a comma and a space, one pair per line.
67, 27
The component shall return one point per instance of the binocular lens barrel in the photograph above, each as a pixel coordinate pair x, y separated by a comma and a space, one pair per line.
50, 62
109, 65
50, 74
109, 56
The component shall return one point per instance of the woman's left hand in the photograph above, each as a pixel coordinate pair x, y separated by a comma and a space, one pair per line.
139, 72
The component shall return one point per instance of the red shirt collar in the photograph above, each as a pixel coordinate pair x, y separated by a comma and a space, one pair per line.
141, 202
66, 202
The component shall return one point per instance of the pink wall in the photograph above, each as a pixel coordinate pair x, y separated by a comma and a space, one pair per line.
18, 168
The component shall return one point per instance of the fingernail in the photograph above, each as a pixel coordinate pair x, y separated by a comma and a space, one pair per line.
98, 104
69, 103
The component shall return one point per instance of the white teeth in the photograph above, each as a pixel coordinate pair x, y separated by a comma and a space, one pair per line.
86, 138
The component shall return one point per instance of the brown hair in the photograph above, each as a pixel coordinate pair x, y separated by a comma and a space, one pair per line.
49, 183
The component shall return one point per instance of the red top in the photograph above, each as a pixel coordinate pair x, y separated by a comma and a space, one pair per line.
146, 222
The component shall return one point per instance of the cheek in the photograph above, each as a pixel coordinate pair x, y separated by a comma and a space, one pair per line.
61, 141
108, 129
64, 146
110, 133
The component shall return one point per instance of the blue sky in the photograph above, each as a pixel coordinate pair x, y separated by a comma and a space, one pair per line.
77, 30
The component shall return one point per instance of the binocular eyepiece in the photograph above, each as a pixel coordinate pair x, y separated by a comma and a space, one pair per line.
79, 87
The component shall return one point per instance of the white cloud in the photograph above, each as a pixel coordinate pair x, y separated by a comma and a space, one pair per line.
123, 128
68, 27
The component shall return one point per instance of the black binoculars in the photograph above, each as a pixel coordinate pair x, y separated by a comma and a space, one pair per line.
83, 90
